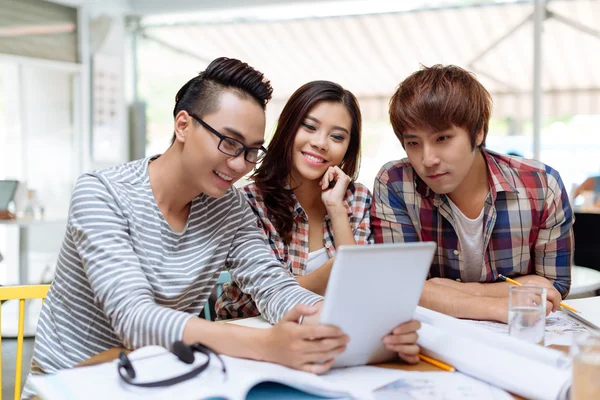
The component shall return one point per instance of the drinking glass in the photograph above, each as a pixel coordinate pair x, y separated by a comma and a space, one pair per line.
585, 351
527, 313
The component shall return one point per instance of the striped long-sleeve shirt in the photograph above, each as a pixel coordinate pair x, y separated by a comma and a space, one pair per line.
527, 220
125, 278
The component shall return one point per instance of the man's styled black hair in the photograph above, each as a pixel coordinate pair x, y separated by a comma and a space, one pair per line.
200, 94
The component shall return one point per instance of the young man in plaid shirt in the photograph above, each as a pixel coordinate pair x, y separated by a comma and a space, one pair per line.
489, 214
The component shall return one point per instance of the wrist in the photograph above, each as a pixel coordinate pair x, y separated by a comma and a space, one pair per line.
335, 209
499, 309
259, 345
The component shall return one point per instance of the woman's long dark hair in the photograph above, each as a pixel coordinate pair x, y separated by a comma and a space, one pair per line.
271, 177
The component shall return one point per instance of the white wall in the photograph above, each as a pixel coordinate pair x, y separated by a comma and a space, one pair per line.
47, 143
109, 39
40, 151
104, 33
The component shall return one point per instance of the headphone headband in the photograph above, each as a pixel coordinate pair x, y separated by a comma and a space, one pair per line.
183, 352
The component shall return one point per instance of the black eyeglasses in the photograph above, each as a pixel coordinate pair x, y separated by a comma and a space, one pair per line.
232, 147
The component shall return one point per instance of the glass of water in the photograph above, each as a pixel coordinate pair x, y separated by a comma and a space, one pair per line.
586, 367
527, 313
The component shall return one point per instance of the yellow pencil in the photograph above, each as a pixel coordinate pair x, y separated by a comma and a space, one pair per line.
436, 363
518, 284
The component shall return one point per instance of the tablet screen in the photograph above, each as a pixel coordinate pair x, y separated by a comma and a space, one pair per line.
371, 290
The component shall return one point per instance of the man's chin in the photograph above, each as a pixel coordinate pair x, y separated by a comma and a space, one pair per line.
441, 189
216, 192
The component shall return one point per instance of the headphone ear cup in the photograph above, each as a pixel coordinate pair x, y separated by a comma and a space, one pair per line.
125, 363
183, 352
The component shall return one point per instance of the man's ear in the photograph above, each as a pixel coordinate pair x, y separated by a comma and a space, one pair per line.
183, 123
479, 139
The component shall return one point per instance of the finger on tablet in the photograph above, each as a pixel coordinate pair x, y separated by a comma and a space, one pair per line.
410, 326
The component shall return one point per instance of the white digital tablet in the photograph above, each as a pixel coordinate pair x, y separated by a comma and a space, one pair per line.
371, 290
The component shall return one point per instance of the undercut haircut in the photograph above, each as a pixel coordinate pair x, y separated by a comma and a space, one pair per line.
201, 94
439, 97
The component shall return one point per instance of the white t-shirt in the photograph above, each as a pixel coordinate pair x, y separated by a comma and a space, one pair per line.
316, 259
470, 236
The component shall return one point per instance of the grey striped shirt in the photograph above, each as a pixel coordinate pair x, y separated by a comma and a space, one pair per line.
125, 278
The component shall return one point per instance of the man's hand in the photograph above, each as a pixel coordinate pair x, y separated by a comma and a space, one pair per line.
552, 295
308, 347
403, 340
500, 310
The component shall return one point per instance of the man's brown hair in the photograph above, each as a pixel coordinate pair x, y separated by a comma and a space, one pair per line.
435, 98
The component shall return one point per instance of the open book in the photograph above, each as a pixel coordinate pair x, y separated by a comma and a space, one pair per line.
525, 369
155, 363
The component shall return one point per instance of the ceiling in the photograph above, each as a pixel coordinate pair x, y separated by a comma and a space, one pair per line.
371, 54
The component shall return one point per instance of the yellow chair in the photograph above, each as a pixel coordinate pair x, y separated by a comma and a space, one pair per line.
20, 293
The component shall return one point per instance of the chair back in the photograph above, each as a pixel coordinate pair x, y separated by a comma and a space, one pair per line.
224, 277
20, 293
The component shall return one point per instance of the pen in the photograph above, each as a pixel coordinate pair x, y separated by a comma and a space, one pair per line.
504, 278
436, 363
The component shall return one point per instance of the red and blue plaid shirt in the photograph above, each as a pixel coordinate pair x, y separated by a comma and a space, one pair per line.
527, 221
233, 303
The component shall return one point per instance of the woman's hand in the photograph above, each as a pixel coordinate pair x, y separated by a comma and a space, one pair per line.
306, 347
403, 340
334, 197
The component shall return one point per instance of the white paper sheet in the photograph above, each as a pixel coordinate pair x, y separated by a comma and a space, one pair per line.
439, 386
357, 379
560, 328
517, 373
589, 308
462, 328
522, 368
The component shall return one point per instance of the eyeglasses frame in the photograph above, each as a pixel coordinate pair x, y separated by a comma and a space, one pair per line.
242, 149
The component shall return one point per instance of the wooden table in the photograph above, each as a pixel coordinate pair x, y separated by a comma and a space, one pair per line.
113, 354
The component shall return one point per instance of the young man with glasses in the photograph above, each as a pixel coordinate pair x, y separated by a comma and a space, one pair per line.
146, 241
489, 214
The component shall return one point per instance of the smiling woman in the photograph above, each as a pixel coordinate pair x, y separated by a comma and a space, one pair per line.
303, 192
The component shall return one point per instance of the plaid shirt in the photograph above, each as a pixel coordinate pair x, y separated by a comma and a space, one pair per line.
233, 303
527, 220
